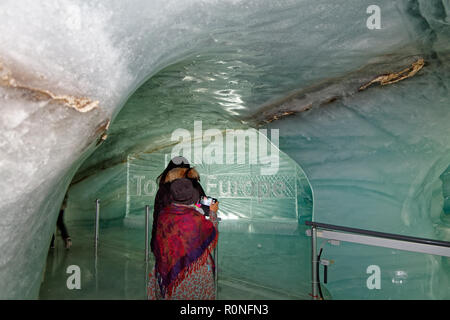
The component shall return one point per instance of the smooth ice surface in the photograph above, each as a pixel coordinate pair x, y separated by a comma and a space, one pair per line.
375, 159
119, 271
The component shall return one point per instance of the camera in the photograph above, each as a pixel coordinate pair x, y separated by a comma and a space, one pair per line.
207, 201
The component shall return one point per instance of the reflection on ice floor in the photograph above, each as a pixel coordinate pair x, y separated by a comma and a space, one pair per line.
120, 265
120, 270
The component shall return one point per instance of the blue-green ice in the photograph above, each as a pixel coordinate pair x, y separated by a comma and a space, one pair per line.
93, 92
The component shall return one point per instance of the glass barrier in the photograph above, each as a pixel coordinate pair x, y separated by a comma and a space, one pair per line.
360, 271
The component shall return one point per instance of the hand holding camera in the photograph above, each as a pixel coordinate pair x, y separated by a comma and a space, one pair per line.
214, 207
212, 203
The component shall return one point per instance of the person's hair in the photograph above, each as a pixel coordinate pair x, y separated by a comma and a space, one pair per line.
162, 177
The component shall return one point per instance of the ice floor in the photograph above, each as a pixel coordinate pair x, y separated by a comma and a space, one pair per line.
119, 271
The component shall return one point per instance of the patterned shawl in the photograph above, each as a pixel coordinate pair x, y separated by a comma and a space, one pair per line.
184, 240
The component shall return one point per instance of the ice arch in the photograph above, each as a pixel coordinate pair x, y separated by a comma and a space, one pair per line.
67, 68
260, 213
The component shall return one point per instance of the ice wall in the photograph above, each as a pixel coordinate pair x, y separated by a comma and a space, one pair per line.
67, 68
375, 163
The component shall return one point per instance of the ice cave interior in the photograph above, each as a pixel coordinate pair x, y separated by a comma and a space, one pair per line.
346, 125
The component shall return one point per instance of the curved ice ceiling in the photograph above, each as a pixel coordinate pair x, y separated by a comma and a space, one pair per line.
373, 157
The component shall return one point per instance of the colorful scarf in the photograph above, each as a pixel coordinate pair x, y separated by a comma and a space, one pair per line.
184, 240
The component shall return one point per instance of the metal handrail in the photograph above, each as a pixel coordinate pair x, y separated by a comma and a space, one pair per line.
379, 234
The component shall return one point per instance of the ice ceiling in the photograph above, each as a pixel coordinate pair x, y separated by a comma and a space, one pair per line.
374, 157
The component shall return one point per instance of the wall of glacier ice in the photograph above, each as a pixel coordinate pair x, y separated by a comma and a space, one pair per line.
374, 158
260, 213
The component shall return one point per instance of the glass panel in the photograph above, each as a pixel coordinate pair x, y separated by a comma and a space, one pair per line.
368, 272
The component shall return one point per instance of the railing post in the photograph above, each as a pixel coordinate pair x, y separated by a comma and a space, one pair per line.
314, 262
147, 248
97, 220
147, 214
216, 262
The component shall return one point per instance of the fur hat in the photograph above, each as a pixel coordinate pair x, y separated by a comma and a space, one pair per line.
182, 191
179, 173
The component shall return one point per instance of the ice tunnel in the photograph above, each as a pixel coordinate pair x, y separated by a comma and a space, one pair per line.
343, 122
